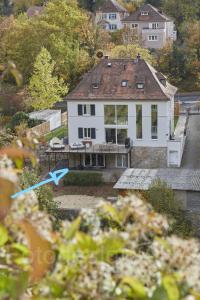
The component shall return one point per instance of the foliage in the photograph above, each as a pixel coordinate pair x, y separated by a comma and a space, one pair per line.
60, 132
60, 30
163, 200
44, 193
6, 137
83, 178
131, 51
45, 89
21, 117
119, 251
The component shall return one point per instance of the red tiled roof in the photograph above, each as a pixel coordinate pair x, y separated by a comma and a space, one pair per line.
111, 6
109, 79
154, 15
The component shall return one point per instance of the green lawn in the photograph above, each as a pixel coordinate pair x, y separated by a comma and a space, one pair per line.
60, 132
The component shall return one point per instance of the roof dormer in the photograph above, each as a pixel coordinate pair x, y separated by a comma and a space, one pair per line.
144, 13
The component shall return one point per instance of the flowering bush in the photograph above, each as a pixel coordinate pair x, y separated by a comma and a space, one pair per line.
121, 251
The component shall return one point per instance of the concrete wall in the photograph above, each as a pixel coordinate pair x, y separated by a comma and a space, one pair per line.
148, 157
97, 121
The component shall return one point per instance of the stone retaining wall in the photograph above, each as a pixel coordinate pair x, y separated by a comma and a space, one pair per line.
149, 157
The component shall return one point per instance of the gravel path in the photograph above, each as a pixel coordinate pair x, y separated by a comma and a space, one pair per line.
77, 201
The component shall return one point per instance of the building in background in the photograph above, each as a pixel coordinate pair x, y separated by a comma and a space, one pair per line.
109, 16
153, 27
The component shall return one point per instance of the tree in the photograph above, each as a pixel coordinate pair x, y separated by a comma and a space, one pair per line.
45, 89
163, 200
131, 51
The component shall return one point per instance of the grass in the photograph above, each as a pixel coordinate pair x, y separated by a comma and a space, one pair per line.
60, 132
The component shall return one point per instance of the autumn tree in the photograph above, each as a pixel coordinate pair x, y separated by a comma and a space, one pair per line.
45, 88
131, 51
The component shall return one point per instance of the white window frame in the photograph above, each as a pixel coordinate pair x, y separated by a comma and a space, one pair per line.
96, 166
112, 16
124, 83
134, 25
153, 38
113, 26
86, 110
87, 133
104, 16
140, 85
123, 163
144, 13
154, 25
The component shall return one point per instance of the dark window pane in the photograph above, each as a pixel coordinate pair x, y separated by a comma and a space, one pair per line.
139, 121
93, 133
109, 113
121, 136
80, 109
110, 135
154, 122
92, 108
80, 133
122, 114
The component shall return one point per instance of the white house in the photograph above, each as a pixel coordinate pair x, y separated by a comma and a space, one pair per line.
110, 15
153, 27
121, 115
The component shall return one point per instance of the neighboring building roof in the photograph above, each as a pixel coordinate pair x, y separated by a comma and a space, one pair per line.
34, 11
111, 6
154, 15
44, 115
104, 82
177, 179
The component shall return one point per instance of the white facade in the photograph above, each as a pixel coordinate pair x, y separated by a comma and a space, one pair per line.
51, 115
164, 122
110, 21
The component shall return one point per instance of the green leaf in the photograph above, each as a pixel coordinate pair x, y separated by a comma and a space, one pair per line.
21, 248
68, 252
170, 285
86, 242
110, 246
160, 293
137, 288
111, 211
73, 229
56, 289
3, 235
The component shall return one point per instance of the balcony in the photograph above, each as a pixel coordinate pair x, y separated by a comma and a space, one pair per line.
104, 148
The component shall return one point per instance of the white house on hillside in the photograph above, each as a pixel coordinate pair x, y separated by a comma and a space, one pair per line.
121, 115
110, 15
153, 27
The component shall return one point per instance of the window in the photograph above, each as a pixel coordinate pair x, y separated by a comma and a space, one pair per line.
95, 160
154, 122
104, 16
134, 25
121, 161
116, 136
138, 121
140, 86
116, 114
95, 85
86, 133
153, 38
112, 16
144, 13
154, 25
112, 26
86, 109
124, 83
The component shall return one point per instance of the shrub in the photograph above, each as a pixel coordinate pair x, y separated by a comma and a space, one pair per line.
83, 178
162, 198
21, 117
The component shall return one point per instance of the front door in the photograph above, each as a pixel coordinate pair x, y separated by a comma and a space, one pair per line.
121, 161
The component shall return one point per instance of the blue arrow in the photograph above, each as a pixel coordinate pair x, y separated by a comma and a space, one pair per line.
55, 177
